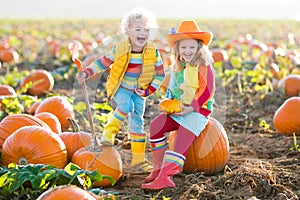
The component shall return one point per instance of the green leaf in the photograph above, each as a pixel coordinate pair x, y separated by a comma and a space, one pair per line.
71, 168
3, 179
80, 107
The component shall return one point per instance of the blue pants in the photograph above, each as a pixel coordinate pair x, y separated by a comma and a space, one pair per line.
132, 105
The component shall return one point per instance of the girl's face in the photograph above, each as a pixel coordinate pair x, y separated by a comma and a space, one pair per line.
138, 33
187, 49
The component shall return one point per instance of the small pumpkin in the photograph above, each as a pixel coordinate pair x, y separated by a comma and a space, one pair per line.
34, 145
286, 119
9, 55
274, 69
290, 85
67, 192
209, 151
105, 159
51, 120
32, 108
170, 106
13, 122
6, 90
59, 106
219, 55
75, 139
41, 82
4, 45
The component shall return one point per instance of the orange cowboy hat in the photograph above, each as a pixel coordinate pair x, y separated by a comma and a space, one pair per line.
189, 29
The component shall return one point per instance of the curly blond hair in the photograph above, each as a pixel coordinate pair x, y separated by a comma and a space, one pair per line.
136, 14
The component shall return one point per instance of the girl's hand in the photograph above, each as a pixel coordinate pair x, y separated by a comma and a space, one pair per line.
81, 77
139, 92
185, 110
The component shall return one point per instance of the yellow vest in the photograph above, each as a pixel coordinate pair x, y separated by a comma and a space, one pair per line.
121, 61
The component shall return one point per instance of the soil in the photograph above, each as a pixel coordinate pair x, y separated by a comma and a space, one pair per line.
261, 163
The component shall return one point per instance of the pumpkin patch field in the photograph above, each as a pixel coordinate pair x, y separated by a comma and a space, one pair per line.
250, 149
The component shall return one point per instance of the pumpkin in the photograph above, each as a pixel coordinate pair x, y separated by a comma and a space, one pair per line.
258, 45
219, 55
7, 90
286, 119
105, 159
58, 106
67, 192
170, 106
209, 151
290, 85
54, 46
13, 122
41, 82
76, 139
34, 145
32, 108
4, 44
51, 120
9, 55
274, 69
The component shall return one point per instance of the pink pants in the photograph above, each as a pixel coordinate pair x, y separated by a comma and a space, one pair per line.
163, 124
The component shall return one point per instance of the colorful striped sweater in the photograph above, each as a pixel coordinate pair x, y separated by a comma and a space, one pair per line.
202, 92
133, 70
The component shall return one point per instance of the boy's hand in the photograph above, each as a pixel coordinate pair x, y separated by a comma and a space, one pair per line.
139, 92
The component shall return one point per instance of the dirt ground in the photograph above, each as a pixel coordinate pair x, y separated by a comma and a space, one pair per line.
260, 165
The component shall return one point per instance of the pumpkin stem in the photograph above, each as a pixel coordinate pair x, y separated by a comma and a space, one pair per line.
74, 125
75, 128
23, 161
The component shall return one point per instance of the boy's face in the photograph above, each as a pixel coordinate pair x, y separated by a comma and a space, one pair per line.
138, 33
188, 49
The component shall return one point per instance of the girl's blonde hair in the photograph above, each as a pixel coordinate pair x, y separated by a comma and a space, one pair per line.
202, 58
137, 14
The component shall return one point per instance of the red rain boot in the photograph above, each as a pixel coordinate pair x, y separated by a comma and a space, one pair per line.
173, 163
159, 147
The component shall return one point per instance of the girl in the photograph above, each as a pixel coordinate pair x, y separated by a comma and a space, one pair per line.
192, 82
136, 71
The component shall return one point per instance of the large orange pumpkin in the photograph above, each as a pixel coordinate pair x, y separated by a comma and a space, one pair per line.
13, 122
290, 85
75, 139
286, 119
209, 151
41, 82
67, 192
51, 120
34, 145
58, 106
106, 160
